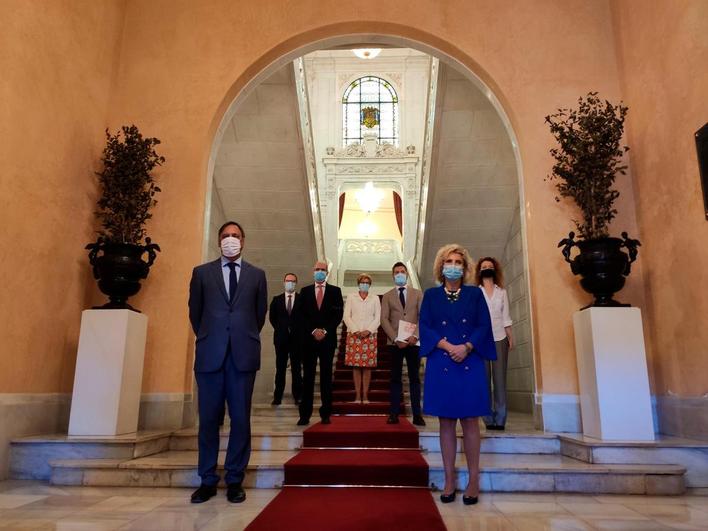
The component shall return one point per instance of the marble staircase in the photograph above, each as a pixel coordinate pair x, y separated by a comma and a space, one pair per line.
521, 459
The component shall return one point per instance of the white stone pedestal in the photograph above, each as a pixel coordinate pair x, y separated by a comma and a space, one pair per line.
615, 402
109, 373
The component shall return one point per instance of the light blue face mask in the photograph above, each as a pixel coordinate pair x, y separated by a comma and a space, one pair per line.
452, 272
320, 276
364, 288
400, 279
290, 286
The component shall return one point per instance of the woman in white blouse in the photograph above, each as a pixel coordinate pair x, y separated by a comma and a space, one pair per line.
362, 315
490, 279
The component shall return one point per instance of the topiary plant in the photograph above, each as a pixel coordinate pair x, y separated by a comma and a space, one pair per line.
588, 159
128, 188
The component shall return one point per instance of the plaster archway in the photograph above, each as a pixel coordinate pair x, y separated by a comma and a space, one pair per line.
370, 33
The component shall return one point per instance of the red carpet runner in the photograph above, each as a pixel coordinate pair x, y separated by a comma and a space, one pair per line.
358, 453
362, 454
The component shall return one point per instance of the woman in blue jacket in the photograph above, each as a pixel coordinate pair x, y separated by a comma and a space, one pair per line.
456, 336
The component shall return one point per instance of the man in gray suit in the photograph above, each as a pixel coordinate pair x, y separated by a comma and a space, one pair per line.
402, 303
227, 309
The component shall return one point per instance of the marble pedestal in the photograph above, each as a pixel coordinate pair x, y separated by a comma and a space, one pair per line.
109, 373
615, 402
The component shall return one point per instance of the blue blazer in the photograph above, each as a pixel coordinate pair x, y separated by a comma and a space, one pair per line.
452, 389
218, 323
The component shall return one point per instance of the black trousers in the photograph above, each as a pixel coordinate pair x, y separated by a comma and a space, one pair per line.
310, 355
282, 354
411, 355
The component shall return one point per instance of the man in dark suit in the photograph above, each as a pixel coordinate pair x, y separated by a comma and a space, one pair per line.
320, 308
227, 308
282, 316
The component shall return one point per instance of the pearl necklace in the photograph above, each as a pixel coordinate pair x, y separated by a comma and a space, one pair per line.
452, 296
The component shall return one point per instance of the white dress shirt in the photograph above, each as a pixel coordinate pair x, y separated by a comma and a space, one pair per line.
498, 306
292, 299
226, 271
362, 314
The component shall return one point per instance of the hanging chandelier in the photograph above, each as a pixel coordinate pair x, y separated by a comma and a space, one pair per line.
369, 198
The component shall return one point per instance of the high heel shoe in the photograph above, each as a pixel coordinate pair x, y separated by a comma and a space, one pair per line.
448, 498
469, 500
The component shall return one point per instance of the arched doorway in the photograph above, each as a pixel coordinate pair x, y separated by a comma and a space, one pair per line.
465, 87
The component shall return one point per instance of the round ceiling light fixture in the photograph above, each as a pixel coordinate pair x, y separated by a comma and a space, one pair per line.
366, 53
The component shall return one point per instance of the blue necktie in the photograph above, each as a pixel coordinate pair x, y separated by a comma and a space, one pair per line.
233, 281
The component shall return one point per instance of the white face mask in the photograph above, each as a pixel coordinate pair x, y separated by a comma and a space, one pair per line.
230, 246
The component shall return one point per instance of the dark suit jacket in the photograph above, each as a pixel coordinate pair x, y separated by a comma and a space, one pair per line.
284, 325
327, 317
216, 322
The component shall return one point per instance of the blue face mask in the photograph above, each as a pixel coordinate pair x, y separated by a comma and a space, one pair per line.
290, 286
320, 276
364, 288
452, 272
400, 279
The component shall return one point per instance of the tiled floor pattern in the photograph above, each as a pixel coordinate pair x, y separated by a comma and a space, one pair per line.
39, 506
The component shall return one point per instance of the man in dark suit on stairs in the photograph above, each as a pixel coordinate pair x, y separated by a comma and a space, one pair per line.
319, 311
282, 316
228, 300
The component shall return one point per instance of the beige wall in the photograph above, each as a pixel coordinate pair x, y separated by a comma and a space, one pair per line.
182, 63
663, 49
178, 74
57, 64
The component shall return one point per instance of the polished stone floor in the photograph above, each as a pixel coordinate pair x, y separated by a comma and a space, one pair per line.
39, 506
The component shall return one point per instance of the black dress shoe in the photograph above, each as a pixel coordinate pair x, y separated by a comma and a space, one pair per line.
303, 422
469, 500
494, 427
275, 402
392, 419
448, 498
418, 420
203, 493
297, 401
325, 420
235, 493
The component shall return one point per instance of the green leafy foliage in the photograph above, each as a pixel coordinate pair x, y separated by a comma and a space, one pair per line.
127, 186
588, 159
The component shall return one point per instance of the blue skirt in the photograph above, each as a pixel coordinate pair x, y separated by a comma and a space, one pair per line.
455, 390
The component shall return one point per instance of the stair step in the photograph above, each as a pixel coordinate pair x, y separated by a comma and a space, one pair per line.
376, 374
357, 467
357, 408
553, 473
362, 431
347, 395
499, 472
30, 456
376, 384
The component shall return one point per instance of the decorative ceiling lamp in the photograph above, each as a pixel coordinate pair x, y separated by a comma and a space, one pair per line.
366, 53
369, 198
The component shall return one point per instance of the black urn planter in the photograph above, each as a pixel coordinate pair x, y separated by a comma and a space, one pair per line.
119, 269
602, 265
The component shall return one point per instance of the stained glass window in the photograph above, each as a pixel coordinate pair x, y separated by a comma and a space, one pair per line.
365, 92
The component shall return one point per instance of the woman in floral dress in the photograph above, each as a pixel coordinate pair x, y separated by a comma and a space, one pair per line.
362, 315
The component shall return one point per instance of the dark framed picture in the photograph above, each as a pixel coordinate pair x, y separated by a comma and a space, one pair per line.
702, 149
